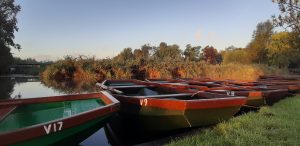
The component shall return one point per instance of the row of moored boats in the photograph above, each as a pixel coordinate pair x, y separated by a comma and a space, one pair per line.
155, 104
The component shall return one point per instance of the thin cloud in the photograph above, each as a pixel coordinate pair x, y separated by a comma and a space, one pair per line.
198, 35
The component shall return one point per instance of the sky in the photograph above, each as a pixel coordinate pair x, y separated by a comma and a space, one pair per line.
52, 29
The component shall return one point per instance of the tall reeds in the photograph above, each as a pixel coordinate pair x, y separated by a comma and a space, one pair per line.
91, 70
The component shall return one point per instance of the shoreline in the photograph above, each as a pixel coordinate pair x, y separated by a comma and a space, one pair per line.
19, 76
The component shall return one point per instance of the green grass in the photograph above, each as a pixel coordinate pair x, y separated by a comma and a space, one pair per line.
275, 125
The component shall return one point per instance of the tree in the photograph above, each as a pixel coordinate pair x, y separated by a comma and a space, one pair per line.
8, 13
230, 48
280, 51
290, 14
146, 51
289, 18
237, 55
8, 25
125, 57
143, 54
18, 60
192, 53
209, 54
260, 39
6, 58
168, 53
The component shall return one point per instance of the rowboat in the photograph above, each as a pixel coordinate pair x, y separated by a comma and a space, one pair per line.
258, 93
256, 96
291, 86
158, 107
291, 83
54, 120
199, 82
276, 77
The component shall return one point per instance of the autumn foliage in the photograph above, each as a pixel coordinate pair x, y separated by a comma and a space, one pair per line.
129, 64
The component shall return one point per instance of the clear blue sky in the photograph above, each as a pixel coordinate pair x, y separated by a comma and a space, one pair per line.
51, 29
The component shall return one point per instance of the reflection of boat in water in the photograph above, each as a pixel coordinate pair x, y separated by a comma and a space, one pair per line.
157, 107
124, 131
54, 120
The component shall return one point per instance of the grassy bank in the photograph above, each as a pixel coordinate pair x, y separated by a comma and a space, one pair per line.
275, 125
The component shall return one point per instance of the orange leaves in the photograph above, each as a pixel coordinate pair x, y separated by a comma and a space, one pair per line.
153, 73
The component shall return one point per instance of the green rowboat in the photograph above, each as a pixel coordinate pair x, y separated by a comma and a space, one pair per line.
54, 120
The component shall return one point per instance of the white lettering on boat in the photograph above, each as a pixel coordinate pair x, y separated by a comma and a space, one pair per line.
143, 102
48, 128
54, 127
230, 93
60, 125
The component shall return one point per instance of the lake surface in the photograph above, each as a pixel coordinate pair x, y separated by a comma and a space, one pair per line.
117, 132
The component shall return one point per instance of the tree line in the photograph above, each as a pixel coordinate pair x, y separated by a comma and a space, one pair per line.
8, 25
280, 49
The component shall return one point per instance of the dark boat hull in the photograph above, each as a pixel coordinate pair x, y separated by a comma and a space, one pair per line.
154, 119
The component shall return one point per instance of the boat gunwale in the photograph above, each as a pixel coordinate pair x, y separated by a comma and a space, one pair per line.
129, 86
188, 88
138, 100
47, 99
182, 92
165, 81
184, 104
123, 80
247, 89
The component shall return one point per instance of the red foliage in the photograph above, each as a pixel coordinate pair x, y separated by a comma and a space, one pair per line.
210, 54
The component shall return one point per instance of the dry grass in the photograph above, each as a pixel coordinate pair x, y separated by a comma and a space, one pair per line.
242, 72
91, 70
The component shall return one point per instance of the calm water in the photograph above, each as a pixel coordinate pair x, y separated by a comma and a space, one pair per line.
117, 132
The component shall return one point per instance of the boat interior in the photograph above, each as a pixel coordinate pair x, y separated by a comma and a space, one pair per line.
144, 91
32, 114
165, 93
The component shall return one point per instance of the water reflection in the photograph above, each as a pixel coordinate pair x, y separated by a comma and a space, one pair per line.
98, 138
70, 87
20, 87
124, 131
6, 87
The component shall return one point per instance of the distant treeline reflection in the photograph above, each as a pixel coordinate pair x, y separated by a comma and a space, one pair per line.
70, 86
6, 87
